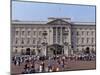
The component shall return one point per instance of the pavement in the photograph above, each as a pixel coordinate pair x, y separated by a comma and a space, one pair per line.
69, 66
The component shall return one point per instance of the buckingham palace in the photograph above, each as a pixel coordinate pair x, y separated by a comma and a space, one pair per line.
56, 36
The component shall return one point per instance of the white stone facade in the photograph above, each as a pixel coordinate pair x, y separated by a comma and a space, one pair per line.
38, 38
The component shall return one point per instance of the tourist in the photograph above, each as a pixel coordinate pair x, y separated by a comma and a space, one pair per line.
15, 62
46, 69
57, 69
40, 68
50, 70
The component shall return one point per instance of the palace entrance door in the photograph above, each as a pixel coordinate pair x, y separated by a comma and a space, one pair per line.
28, 51
55, 49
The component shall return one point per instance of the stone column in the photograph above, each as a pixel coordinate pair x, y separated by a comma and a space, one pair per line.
56, 35
66, 43
61, 42
44, 50
44, 44
36, 53
36, 50
66, 52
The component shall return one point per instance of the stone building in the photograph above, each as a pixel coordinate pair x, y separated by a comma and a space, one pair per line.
56, 36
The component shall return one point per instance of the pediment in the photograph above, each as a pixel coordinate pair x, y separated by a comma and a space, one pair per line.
58, 22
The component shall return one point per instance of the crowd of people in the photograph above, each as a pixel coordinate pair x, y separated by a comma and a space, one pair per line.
35, 64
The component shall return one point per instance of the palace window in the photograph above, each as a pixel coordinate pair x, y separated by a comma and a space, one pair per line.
77, 33
54, 34
87, 40
82, 49
34, 32
92, 40
22, 51
78, 40
28, 40
72, 33
77, 50
87, 32
23, 32
82, 32
17, 32
54, 39
16, 41
16, 50
39, 41
63, 28
29, 33
40, 32
82, 40
92, 33
34, 40
22, 41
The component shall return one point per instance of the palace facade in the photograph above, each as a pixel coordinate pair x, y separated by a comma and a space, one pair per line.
56, 36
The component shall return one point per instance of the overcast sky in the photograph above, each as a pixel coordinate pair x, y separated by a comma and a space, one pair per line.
32, 11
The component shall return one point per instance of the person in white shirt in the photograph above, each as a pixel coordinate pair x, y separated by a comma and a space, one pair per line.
40, 68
